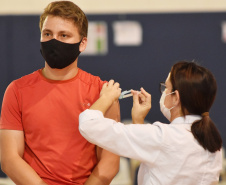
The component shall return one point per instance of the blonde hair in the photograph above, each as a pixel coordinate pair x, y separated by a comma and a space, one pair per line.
66, 10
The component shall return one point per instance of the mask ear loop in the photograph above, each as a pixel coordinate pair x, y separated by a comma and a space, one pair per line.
172, 107
169, 94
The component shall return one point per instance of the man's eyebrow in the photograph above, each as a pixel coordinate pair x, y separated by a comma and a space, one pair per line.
46, 30
65, 31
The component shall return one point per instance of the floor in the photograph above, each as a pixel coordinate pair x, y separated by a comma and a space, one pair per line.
7, 181
127, 181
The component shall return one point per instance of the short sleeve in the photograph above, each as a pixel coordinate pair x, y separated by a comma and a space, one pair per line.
101, 83
11, 113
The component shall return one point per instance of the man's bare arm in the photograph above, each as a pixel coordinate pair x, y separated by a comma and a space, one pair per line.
12, 163
106, 169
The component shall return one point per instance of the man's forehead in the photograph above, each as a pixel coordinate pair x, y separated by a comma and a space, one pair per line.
55, 22
59, 20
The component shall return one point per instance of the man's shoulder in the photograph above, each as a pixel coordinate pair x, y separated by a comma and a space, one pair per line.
89, 78
27, 80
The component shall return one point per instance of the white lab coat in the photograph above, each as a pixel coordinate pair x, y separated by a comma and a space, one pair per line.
169, 154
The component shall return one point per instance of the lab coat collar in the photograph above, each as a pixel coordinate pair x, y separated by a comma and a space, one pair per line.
188, 119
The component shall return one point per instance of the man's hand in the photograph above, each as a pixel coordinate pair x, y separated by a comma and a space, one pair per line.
141, 105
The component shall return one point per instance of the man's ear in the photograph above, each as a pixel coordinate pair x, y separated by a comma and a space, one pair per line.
83, 44
176, 100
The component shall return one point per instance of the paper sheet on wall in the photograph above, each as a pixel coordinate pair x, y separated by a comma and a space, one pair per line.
127, 33
97, 39
223, 34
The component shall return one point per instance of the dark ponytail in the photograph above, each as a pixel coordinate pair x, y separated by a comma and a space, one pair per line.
197, 88
206, 133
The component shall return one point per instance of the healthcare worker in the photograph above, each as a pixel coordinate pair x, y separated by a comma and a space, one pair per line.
187, 151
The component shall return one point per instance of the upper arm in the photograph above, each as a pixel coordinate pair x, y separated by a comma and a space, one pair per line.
11, 144
11, 133
108, 163
103, 154
105, 170
113, 112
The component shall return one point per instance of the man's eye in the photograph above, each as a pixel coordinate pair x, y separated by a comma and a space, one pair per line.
47, 34
64, 35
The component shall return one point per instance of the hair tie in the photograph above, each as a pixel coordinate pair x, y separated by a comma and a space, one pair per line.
205, 114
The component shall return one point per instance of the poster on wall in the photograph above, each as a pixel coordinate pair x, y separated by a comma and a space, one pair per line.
97, 39
223, 32
127, 33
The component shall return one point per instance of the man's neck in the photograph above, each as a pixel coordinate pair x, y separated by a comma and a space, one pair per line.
66, 73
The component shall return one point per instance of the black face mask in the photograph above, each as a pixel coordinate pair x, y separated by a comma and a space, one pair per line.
59, 54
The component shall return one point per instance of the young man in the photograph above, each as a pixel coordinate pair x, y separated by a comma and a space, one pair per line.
40, 140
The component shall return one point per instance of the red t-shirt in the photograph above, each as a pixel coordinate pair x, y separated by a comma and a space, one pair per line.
47, 112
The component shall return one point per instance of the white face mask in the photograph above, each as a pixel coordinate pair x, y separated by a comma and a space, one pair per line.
165, 111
